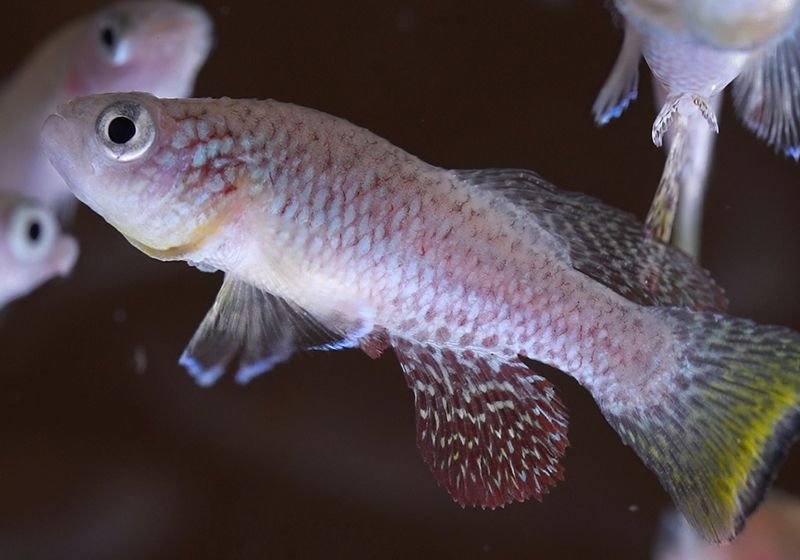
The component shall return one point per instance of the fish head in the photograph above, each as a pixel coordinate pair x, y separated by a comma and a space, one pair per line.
154, 46
739, 24
125, 155
33, 249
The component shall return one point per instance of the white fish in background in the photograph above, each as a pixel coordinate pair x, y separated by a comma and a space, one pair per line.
32, 247
155, 46
330, 237
695, 48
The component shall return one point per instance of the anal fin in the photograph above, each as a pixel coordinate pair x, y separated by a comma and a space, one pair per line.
490, 430
261, 330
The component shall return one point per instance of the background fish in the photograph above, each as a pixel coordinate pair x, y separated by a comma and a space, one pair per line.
695, 49
155, 46
772, 533
330, 238
32, 248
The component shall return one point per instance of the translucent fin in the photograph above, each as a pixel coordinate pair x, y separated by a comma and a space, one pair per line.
622, 84
682, 104
661, 215
490, 431
767, 95
605, 243
260, 329
716, 431
699, 155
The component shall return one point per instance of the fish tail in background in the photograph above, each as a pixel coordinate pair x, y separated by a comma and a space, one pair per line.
700, 142
685, 176
662, 211
717, 432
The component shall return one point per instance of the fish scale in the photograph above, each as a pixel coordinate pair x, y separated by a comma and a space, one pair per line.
330, 238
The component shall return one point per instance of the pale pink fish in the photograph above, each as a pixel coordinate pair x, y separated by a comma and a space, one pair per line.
695, 48
331, 237
32, 248
772, 533
144, 46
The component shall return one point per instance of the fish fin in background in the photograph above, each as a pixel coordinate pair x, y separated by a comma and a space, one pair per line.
716, 430
261, 330
661, 216
622, 85
767, 95
490, 430
605, 243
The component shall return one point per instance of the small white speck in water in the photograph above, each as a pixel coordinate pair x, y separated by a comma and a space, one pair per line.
120, 315
139, 359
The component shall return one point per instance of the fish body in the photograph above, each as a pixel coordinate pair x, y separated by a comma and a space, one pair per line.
32, 247
155, 46
330, 237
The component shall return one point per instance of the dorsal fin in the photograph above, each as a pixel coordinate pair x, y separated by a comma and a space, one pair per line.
607, 244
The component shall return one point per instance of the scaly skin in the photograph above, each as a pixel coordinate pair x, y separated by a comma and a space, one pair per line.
328, 215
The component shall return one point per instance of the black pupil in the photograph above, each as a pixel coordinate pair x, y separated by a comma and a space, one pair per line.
121, 130
34, 231
107, 36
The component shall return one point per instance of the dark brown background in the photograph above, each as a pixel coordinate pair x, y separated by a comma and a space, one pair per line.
102, 455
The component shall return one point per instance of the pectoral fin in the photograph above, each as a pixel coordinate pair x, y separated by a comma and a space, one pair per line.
261, 330
490, 430
622, 84
767, 95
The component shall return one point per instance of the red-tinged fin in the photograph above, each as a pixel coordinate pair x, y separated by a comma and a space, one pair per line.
717, 426
767, 95
605, 243
490, 430
261, 330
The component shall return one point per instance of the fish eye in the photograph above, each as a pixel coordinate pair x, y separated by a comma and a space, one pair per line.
32, 232
125, 130
108, 36
111, 33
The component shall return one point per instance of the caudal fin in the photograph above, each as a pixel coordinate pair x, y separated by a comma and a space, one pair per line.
722, 425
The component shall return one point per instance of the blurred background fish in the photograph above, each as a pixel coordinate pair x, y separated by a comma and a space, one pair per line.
32, 247
772, 533
695, 49
156, 46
